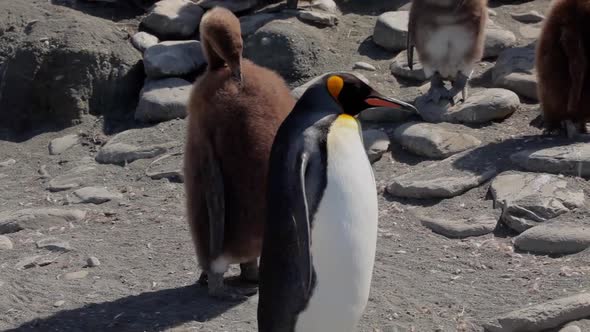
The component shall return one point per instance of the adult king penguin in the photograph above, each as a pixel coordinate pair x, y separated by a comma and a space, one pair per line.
319, 240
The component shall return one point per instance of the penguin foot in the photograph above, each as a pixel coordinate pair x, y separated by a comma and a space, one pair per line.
435, 94
249, 272
203, 279
218, 290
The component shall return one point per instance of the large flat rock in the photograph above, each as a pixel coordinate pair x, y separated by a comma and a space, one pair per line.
573, 159
173, 58
554, 238
462, 227
543, 316
391, 30
163, 100
36, 218
444, 179
73, 178
145, 143
527, 199
515, 70
173, 19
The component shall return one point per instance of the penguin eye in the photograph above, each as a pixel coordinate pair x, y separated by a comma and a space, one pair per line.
335, 85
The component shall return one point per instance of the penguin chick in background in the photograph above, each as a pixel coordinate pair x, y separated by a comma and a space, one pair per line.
234, 111
449, 37
562, 57
320, 237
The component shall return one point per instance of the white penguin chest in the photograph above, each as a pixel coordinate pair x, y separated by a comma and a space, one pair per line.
343, 237
448, 48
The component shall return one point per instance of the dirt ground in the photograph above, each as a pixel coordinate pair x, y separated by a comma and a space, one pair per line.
146, 279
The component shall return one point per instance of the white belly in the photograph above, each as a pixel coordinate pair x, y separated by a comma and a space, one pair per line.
343, 238
447, 48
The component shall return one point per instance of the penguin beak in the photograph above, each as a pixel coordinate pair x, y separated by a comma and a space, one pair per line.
375, 99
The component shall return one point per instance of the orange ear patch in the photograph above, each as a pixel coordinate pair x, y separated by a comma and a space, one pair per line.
335, 85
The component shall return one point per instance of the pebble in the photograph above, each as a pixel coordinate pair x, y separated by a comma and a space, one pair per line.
527, 199
53, 244
37, 218
514, 70
8, 162
145, 143
76, 275
555, 238
26, 263
61, 144
364, 66
532, 16
75, 177
168, 166
376, 144
59, 303
234, 6
444, 179
544, 316
391, 30
399, 67
92, 261
163, 100
480, 107
461, 228
320, 18
173, 19
5, 243
95, 195
143, 40
434, 140
572, 159
173, 58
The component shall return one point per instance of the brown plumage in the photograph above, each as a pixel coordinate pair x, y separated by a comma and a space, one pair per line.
234, 112
449, 37
563, 52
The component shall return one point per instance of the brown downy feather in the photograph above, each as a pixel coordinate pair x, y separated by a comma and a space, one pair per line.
237, 122
562, 61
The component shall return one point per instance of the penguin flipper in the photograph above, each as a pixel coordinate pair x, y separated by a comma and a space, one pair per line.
574, 49
302, 223
215, 200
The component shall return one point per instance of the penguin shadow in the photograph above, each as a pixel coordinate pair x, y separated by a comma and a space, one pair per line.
369, 7
149, 311
369, 49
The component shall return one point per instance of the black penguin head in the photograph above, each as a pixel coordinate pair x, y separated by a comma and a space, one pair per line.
354, 95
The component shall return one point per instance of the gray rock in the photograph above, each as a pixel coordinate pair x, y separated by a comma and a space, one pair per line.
143, 40
376, 144
530, 32
480, 107
169, 166
391, 30
434, 140
233, 5
325, 5
573, 159
173, 58
146, 143
444, 179
53, 244
92, 261
300, 90
527, 199
399, 67
27, 263
320, 18
76, 177
173, 19
514, 70
497, 40
571, 328
59, 303
250, 23
60, 64
492, 12
295, 50
5, 243
532, 16
95, 195
461, 228
76, 275
163, 100
554, 238
7, 163
11, 222
364, 66
544, 316
61, 144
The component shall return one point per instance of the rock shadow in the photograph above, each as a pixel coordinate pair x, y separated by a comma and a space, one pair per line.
150, 311
369, 49
116, 12
369, 7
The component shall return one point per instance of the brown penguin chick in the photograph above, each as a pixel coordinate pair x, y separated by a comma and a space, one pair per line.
563, 73
449, 37
234, 111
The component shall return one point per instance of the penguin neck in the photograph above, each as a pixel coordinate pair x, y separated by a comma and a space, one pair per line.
214, 59
318, 98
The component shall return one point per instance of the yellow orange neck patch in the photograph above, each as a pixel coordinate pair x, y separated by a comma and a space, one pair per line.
335, 85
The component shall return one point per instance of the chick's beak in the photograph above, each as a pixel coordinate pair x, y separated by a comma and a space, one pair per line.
236, 74
375, 99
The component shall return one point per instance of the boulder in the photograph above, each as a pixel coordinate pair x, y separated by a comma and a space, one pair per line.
391, 30
163, 100
515, 70
173, 19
